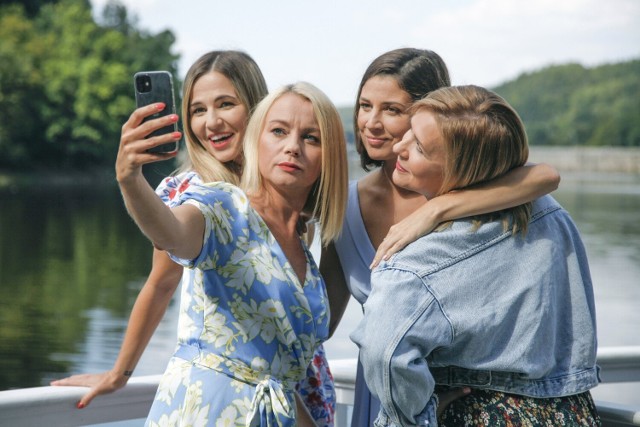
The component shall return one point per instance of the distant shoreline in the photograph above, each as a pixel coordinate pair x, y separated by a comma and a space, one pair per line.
10, 180
588, 159
98, 177
565, 159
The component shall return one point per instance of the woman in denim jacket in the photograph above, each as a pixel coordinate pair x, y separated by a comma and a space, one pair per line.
501, 304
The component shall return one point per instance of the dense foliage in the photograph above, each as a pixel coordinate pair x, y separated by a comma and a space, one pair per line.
573, 105
66, 88
66, 83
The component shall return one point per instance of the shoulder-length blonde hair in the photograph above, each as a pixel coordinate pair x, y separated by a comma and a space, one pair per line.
250, 86
484, 138
327, 200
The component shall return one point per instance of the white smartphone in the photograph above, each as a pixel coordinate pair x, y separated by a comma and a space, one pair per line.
152, 87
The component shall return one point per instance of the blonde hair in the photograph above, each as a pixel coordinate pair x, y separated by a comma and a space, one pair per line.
249, 84
327, 200
484, 138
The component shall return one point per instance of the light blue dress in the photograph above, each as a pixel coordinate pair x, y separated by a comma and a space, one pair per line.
356, 253
248, 328
317, 389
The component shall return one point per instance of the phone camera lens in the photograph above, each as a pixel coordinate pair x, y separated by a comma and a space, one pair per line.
143, 83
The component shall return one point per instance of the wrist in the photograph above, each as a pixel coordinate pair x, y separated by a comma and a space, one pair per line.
437, 208
119, 377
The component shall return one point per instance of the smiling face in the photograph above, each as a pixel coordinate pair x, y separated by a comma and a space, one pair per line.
217, 117
421, 156
289, 150
382, 117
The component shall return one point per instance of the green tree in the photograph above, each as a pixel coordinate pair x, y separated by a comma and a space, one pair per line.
20, 86
31, 7
66, 82
573, 105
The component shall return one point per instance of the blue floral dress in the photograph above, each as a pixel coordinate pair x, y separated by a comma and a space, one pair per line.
248, 329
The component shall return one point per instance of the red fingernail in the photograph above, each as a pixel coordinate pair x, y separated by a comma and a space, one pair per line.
160, 105
80, 405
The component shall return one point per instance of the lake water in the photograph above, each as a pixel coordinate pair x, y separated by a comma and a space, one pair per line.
72, 263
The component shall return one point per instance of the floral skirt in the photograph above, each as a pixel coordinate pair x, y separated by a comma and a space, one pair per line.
318, 391
497, 409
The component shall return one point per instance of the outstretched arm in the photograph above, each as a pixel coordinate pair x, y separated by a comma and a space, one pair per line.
178, 231
520, 185
150, 306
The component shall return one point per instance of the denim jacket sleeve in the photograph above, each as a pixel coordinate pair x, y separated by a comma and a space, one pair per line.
402, 324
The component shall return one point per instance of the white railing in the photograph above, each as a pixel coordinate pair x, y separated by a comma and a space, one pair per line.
55, 406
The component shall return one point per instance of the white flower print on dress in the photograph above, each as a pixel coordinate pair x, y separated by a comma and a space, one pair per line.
194, 413
248, 331
172, 380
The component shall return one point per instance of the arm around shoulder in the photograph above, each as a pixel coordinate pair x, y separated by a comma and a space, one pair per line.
520, 185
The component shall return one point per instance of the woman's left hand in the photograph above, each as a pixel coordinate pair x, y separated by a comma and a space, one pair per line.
416, 225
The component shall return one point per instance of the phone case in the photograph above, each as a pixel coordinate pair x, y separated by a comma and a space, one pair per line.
157, 86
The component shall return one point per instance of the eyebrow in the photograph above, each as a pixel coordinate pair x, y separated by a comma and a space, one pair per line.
225, 96
286, 123
415, 138
362, 98
215, 100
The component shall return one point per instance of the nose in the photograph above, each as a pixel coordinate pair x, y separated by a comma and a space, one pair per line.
401, 146
372, 119
292, 144
213, 120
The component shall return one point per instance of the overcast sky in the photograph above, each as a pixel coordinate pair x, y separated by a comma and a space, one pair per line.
330, 43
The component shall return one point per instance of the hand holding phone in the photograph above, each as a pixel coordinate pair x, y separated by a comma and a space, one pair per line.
152, 87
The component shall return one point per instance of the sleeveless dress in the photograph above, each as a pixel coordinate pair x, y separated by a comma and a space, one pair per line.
356, 252
248, 329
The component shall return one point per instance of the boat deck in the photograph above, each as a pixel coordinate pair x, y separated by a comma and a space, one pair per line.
55, 406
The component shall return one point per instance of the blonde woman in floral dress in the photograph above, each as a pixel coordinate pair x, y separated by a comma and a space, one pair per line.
221, 89
255, 308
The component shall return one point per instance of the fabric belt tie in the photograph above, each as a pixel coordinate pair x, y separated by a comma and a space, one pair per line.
269, 407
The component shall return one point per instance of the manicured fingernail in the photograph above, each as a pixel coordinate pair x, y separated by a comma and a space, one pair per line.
80, 405
160, 106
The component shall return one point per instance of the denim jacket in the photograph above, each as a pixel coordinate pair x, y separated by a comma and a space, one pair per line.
485, 309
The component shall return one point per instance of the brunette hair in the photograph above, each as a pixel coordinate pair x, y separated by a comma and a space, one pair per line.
417, 71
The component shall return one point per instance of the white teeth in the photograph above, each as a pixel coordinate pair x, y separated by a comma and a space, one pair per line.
220, 137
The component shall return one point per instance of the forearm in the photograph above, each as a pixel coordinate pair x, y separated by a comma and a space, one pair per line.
152, 216
402, 325
147, 312
178, 230
520, 185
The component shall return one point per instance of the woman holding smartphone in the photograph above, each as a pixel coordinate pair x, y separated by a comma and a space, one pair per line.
221, 89
254, 310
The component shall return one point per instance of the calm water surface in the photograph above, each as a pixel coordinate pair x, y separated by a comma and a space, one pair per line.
72, 263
